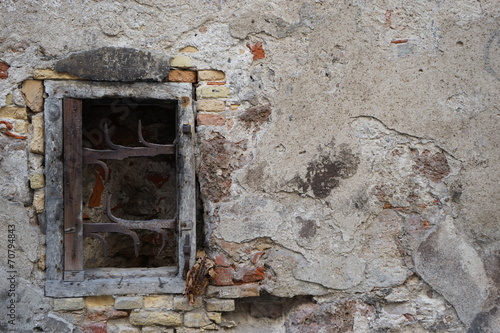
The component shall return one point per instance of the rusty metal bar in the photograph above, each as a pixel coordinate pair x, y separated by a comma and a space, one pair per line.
90, 229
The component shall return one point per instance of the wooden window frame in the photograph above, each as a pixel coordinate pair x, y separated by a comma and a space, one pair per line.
70, 279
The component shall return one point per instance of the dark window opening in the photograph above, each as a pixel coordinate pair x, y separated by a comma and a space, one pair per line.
138, 188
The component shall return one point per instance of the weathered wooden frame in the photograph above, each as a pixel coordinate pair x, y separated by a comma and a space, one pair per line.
116, 281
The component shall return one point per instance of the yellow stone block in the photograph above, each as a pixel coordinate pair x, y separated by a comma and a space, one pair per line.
211, 75
148, 318
9, 99
181, 62
50, 74
211, 105
13, 112
159, 302
32, 91
21, 126
189, 49
37, 180
36, 143
39, 200
212, 92
96, 302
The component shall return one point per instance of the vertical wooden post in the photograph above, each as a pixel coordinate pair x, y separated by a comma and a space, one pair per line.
73, 227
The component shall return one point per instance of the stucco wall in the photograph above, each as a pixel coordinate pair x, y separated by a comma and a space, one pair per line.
348, 158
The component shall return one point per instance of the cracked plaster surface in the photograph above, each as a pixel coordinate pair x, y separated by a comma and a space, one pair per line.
400, 140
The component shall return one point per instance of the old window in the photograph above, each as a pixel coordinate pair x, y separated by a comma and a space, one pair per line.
120, 196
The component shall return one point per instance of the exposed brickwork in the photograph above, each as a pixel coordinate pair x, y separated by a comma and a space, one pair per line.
204, 119
177, 75
211, 105
95, 328
223, 276
211, 75
181, 62
4, 70
257, 51
244, 290
188, 49
212, 92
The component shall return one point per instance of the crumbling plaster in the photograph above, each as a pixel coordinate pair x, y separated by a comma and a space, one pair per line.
376, 166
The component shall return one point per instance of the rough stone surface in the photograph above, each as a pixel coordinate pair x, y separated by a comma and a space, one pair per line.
68, 304
147, 318
221, 305
152, 329
196, 319
129, 303
245, 290
163, 302
182, 304
97, 302
115, 64
121, 325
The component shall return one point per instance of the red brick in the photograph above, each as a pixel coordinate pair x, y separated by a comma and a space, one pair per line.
211, 119
257, 51
257, 256
95, 328
254, 275
223, 276
177, 75
4, 70
216, 83
221, 260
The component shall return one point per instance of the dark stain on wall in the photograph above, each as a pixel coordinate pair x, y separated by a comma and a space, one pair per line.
324, 174
308, 229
